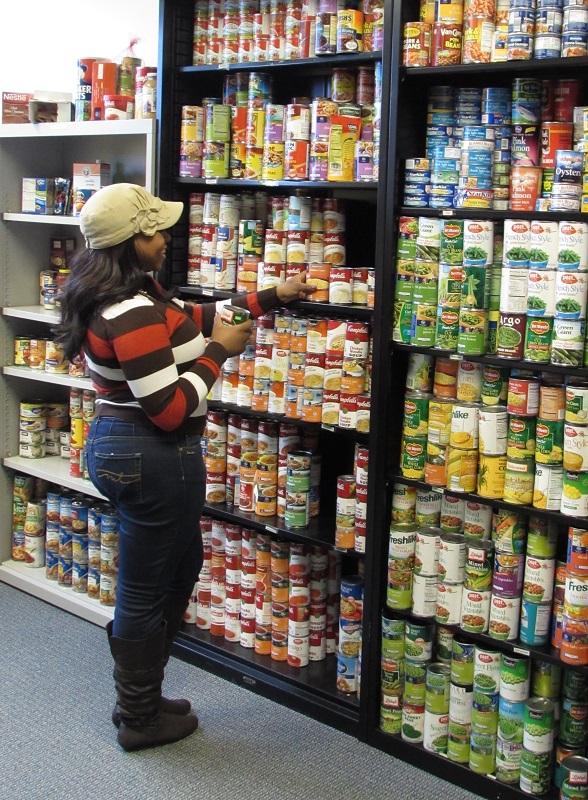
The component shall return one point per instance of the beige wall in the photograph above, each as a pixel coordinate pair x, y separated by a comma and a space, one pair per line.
41, 40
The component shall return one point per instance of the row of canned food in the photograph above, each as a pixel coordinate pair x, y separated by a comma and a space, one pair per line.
499, 714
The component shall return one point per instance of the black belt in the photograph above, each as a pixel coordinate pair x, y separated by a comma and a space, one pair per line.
193, 426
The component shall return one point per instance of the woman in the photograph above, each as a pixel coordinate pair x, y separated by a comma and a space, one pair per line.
152, 369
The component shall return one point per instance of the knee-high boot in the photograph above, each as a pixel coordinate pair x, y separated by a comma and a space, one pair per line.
138, 674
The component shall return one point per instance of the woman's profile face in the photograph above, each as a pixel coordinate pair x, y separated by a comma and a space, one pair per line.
151, 250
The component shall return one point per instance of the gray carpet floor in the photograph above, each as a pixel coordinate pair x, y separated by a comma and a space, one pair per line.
57, 741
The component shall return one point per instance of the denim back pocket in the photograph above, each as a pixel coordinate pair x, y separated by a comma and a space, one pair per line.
116, 475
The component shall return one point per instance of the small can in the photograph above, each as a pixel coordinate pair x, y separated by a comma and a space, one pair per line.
486, 670
452, 558
464, 426
507, 576
574, 500
521, 437
435, 732
462, 663
475, 611
504, 617
491, 476
416, 45
448, 604
535, 623
493, 430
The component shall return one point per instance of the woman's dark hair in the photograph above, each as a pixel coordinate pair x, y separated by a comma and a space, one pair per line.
98, 278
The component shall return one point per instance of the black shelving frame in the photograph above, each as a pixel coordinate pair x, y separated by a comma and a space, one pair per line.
402, 136
311, 690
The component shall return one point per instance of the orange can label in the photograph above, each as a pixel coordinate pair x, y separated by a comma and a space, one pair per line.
447, 44
416, 45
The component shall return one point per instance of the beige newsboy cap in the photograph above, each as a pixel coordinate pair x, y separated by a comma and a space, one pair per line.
118, 212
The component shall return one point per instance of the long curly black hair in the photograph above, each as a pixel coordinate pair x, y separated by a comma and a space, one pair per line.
98, 278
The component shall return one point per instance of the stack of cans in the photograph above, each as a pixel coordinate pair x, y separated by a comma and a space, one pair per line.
94, 533
191, 142
548, 29
32, 429
476, 165
79, 523
65, 565
22, 492
350, 632
484, 711
574, 40
109, 531
217, 137
461, 698
521, 29
436, 725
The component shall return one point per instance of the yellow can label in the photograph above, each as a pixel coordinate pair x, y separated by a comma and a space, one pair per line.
491, 474
462, 467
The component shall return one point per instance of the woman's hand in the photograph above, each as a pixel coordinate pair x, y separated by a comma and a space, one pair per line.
294, 289
232, 337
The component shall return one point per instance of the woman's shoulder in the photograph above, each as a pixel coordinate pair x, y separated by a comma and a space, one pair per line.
133, 304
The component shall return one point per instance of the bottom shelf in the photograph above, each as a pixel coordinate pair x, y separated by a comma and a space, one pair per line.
33, 581
457, 774
311, 690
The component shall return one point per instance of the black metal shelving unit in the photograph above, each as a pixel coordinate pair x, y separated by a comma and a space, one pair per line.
376, 207
311, 690
556, 516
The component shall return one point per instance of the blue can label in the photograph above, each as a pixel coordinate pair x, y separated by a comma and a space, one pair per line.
568, 167
535, 619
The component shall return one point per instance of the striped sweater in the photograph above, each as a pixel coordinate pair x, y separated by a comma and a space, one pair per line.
151, 353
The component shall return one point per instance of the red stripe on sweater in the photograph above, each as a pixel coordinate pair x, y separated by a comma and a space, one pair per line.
197, 315
101, 348
174, 318
174, 413
141, 342
210, 364
253, 303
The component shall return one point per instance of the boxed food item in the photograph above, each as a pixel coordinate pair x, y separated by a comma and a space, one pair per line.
15, 107
44, 195
29, 186
87, 179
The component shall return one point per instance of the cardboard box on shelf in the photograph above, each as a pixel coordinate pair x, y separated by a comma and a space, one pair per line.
15, 107
87, 179
29, 186
44, 195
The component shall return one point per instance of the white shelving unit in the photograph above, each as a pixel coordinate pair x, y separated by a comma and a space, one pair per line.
47, 149
47, 219
47, 377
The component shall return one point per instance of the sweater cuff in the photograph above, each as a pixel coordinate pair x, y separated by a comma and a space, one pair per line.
268, 299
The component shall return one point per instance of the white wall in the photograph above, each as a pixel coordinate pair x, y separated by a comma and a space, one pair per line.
41, 40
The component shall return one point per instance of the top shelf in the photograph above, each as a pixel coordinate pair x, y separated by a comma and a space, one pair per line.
112, 127
240, 183
491, 213
317, 64
544, 67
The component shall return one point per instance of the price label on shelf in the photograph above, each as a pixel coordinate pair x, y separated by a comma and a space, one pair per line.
438, 489
456, 357
223, 66
447, 212
521, 651
270, 183
330, 428
210, 181
269, 529
208, 292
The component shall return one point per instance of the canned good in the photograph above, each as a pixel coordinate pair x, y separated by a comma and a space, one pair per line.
504, 617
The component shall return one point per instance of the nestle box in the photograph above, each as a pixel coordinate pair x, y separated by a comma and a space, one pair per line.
29, 186
15, 107
87, 179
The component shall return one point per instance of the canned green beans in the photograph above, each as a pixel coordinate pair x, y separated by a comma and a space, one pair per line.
437, 688
462, 663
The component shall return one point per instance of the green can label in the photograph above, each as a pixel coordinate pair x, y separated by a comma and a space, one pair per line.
538, 338
541, 540
549, 439
390, 720
416, 414
535, 772
414, 682
413, 723
399, 591
575, 684
572, 725
458, 742
406, 249
425, 290
404, 287
492, 339
401, 330
423, 324
514, 678
444, 643
418, 642
538, 723
450, 282
520, 441
462, 663
473, 330
482, 753
475, 287
451, 251
494, 385
412, 459
437, 688
447, 331
546, 679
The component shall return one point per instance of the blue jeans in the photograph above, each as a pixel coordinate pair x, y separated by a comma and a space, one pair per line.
155, 480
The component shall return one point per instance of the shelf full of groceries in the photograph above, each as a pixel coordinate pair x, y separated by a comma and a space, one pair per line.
245, 134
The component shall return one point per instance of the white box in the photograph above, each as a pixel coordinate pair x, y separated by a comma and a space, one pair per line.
29, 188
